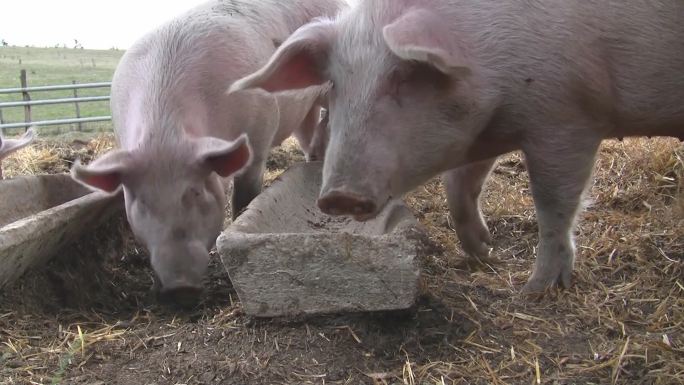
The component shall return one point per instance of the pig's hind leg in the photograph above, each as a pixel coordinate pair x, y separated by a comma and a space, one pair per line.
463, 188
560, 167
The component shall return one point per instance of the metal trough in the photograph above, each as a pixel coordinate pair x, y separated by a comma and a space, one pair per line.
286, 258
41, 214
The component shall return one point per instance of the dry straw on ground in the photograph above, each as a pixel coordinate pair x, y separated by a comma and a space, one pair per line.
626, 307
49, 156
622, 321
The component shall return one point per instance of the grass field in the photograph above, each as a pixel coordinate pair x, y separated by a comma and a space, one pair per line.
54, 66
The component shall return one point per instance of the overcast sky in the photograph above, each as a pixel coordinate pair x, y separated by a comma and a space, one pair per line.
98, 24
95, 23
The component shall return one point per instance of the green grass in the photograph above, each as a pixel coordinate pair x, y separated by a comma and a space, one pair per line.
54, 66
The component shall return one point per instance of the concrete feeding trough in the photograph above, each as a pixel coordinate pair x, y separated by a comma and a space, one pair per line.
286, 258
41, 214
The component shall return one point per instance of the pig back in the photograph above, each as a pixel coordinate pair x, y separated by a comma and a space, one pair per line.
185, 66
274, 20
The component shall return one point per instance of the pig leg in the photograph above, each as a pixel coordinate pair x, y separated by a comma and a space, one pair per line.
559, 172
306, 135
248, 185
319, 141
463, 188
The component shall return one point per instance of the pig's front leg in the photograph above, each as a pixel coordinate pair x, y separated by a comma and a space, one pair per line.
312, 134
247, 186
463, 187
559, 169
319, 141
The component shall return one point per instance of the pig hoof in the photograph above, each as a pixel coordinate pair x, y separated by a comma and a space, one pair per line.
476, 240
538, 284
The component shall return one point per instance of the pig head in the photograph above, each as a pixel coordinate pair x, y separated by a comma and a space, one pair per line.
397, 92
175, 202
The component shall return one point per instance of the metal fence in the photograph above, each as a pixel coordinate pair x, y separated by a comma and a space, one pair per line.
29, 101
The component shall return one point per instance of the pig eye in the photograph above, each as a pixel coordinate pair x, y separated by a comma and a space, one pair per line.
394, 92
423, 74
190, 196
141, 207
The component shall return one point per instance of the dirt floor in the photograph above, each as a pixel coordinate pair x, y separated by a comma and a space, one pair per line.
90, 318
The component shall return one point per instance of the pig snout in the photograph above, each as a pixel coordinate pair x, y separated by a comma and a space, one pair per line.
344, 192
180, 274
183, 296
339, 202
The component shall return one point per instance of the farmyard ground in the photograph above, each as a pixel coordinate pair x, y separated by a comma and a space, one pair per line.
89, 317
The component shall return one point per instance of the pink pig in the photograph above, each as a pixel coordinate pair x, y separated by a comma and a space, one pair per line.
428, 87
179, 132
8, 146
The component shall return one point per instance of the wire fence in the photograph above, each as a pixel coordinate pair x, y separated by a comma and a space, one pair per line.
77, 118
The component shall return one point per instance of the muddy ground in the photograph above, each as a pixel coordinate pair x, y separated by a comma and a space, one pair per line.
90, 318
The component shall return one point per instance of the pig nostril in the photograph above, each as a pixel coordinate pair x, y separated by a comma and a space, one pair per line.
185, 297
364, 208
345, 204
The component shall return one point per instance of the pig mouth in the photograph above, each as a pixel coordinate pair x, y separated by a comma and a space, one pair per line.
186, 297
369, 216
364, 217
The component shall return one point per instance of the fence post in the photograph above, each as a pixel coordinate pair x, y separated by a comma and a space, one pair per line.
78, 108
2, 121
26, 97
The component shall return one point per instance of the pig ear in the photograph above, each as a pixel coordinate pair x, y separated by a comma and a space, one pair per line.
224, 157
424, 36
8, 146
298, 62
106, 173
